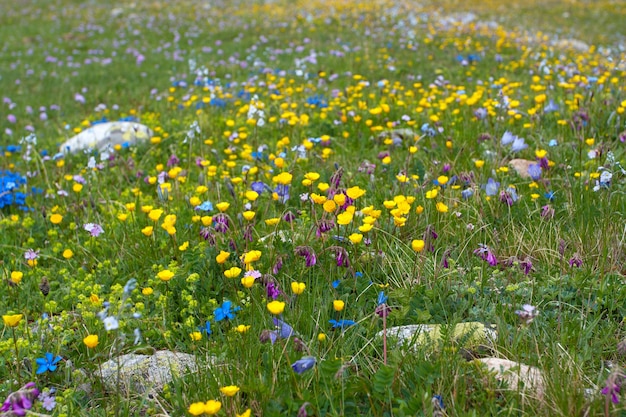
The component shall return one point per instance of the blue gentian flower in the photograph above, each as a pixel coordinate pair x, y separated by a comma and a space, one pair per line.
382, 298
534, 170
340, 324
224, 311
304, 364
206, 206
206, 328
47, 363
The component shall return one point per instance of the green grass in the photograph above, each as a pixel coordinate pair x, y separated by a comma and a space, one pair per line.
332, 82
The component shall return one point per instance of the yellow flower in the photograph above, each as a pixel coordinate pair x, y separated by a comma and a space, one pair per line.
147, 231
338, 305
165, 275
298, 287
122, 217
246, 413
252, 256
242, 328
432, 193
196, 409
321, 337
230, 390
147, 291
206, 220
91, 341
184, 246
56, 218
479, 163
16, 277
418, 245
355, 238
251, 195
247, 282
195, 336
212, 407
442, 180
344, 218
12, 320
248, 215
77, 187
329, 206
276, 307
283, 178
223, 206
442, 208
355, 192
222, 257
272, 221
232, 272
340, 199
154, 215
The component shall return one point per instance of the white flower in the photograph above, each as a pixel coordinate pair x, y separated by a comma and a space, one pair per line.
110, 323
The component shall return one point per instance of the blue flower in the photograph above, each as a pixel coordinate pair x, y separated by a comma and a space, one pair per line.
518, 145
284, 330
382, 298
47, 363
340, 324
206, 328
304, 364
491, 188
467, 193
206, 206
534, 170
336, 283
224, 311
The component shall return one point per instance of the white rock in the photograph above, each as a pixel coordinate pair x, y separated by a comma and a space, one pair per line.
104, 136
515, 373
423, 334
142, 373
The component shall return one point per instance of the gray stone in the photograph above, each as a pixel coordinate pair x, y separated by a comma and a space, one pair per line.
515, 374
104, 136
475, 333
142, 373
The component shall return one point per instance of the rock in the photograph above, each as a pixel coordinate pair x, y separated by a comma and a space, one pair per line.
521, 166
398, 136
142, 373
514, 373
104, 136
472, 334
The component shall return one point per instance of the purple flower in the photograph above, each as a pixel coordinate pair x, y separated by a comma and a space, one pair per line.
21, 400
304, 364
272, 290
94, 229
485, 253
308, 254
527, 314
612, 389
31, 255
575, 261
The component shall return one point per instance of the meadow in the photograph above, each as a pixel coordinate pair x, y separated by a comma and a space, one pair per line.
317, 174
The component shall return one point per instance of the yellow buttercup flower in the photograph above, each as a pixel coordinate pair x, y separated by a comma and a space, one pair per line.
242, 328
147, 231
12, 320
56, 218
195, 336
338, 305
246, 413
196, 409
232, 272
165, 275
298, 287
223, 206
16, 277
230, 390
212, 407
91, 341
276, 307
222, 257
418, 245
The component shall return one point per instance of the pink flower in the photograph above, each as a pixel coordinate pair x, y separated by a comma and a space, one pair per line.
94, 229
